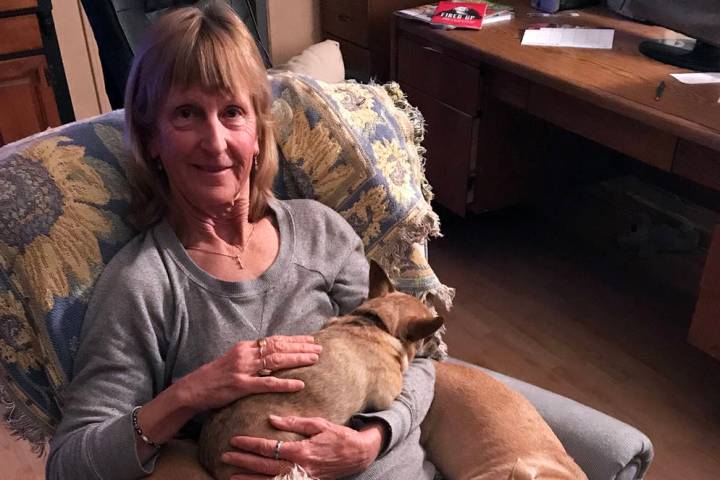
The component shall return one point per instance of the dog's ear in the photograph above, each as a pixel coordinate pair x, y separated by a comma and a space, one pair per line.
402, 316
423, 327
379, 282
386, 312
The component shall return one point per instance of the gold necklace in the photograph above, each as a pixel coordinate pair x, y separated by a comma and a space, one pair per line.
235, 256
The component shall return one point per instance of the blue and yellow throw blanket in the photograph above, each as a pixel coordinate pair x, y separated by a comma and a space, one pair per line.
356, 148
64, 198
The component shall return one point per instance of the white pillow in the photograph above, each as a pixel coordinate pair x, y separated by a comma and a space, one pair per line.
322, 61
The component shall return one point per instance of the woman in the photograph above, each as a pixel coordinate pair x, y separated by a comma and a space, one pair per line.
223, 285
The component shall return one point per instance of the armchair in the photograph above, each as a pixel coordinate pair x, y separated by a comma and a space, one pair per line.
63, 199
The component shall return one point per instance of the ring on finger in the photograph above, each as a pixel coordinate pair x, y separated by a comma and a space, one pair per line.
262, 345
277, 449
264, 371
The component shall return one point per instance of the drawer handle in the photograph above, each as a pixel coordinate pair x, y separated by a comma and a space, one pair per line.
344, 17
432, 49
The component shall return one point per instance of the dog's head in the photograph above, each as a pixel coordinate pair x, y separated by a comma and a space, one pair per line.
401, 315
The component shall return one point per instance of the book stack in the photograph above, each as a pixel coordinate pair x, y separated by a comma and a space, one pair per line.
460, 14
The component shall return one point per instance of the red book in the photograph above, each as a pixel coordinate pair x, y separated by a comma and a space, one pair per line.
460, 14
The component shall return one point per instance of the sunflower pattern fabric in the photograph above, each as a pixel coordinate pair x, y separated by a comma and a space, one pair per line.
64, 197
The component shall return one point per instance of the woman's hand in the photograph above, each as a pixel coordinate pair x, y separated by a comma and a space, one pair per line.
330, 451
234, 375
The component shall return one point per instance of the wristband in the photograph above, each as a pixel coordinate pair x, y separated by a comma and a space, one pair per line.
139, 431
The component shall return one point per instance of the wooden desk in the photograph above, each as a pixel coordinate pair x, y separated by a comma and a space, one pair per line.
362, 28
470, 85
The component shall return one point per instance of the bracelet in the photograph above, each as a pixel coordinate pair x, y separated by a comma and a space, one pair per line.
139, 431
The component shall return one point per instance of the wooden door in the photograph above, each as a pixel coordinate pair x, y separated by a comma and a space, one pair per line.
26, 98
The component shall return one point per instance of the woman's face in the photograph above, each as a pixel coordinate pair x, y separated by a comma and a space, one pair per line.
206, 142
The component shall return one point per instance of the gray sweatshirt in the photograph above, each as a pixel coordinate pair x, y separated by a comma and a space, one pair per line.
155, 316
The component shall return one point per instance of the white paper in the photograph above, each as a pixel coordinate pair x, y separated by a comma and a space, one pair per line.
570, 37
697, 78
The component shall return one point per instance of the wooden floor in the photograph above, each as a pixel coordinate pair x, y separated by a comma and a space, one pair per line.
536, 304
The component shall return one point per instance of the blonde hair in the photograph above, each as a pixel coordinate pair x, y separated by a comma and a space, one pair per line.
206, 46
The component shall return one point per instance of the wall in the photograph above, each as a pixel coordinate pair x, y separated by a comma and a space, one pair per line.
80, 59
293, 25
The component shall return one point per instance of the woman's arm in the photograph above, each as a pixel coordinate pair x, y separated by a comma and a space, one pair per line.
408, 410
334, 450
350, 285
121, 364
219, 383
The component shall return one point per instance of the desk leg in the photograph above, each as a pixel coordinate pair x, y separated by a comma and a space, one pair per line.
705, 327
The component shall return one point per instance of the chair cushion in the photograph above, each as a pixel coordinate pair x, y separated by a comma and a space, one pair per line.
64, 197
321, 61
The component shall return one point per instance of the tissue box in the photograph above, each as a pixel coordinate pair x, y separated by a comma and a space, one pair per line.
553, 6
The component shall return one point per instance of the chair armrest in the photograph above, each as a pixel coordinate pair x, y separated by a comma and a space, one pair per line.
603, 446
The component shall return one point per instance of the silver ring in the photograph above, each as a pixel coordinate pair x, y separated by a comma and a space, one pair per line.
277, 449
262, 344
264, 371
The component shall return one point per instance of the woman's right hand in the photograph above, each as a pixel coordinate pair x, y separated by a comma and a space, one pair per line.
235, 374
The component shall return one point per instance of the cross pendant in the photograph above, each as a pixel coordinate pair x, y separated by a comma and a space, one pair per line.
239, 262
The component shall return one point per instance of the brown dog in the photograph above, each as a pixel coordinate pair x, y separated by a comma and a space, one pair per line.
361, 368
479, 429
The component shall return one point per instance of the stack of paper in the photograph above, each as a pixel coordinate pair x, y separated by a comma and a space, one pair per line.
697, 78
570, 37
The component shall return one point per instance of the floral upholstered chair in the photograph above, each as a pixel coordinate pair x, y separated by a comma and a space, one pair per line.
64, 197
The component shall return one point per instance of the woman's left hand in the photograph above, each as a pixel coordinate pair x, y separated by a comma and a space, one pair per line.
331, 451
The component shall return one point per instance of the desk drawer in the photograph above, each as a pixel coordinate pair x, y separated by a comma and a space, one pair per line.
623, 134
19, 34
697, 163
450, 141
346, 19
426, 67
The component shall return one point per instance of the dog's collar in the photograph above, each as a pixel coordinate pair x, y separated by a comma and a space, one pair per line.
362, 317
371, 317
